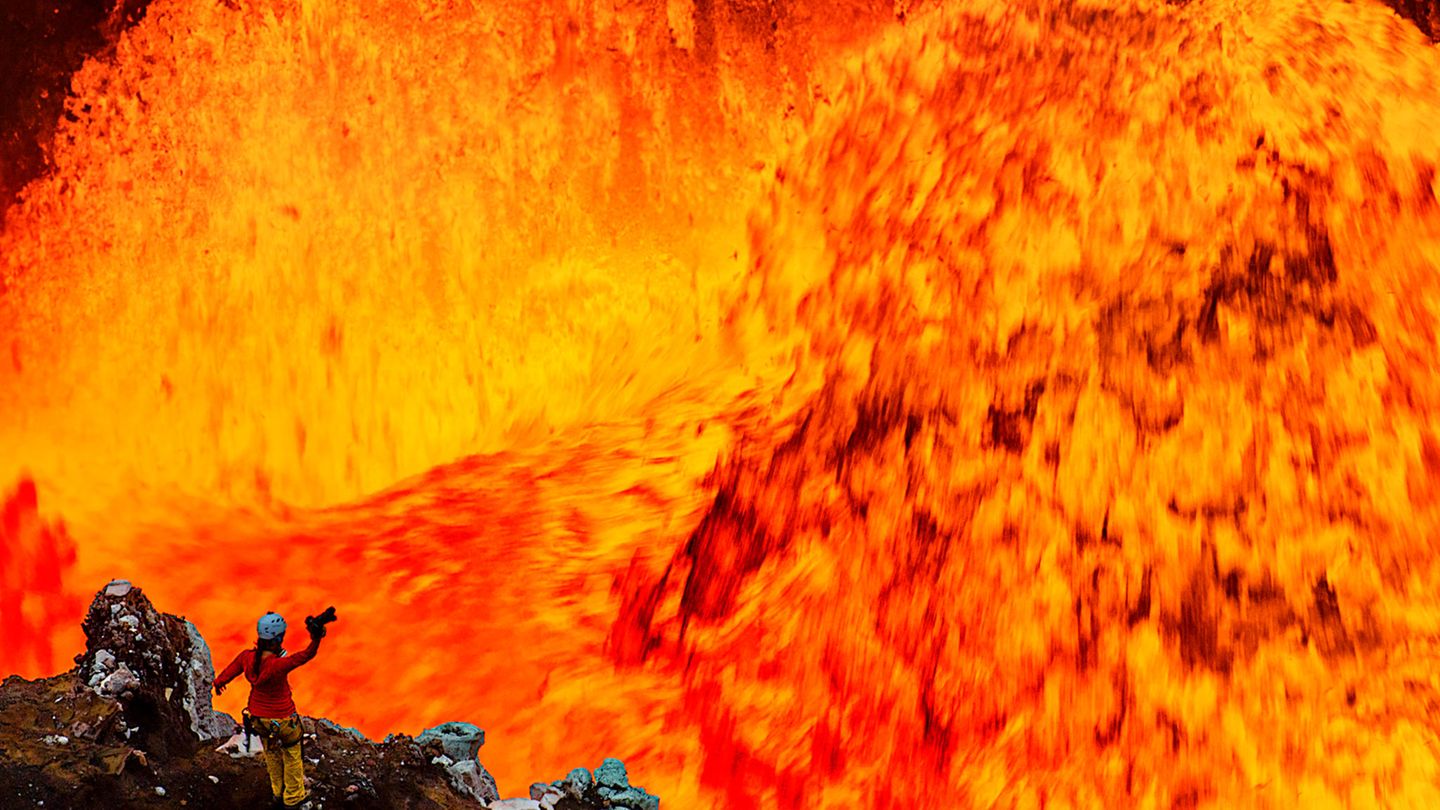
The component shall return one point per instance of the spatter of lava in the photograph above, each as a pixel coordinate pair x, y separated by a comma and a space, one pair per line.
1103, 470
1118, 484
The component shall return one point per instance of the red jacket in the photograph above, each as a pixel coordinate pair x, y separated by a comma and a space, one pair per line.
269, 693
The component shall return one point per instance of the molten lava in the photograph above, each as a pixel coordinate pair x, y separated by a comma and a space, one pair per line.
815, 405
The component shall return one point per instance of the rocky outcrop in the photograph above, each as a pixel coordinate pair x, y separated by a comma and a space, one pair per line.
157, 665
608, 786
456, 748
133, 726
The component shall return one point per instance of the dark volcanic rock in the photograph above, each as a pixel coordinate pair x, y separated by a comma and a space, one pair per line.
396, 773
44, 759
1424, 13
41, 44
157, 666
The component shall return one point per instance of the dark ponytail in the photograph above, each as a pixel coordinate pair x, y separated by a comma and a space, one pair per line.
261, 645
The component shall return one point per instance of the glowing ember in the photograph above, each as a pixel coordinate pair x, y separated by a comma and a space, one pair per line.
1013, 403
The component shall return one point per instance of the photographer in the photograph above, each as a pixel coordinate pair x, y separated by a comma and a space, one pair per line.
270, 712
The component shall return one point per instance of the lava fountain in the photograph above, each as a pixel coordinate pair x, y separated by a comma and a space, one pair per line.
996, 404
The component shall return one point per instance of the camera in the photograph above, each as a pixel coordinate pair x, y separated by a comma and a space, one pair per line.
316, 624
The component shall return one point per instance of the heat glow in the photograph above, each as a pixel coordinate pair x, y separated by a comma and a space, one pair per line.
833, 405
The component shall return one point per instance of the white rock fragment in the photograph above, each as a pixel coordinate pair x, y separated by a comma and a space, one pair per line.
118, 587
214, 780
159, 791
471, 779
130, 621
235, 746
104, 659
56, 739
114, 609
199, 674
117, 682
443, 761
515, 804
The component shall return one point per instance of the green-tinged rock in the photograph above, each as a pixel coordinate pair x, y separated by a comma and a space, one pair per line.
611, 774
576, 783
460, 741
633, 798
644, 800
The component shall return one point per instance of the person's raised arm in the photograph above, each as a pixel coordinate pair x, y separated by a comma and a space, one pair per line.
303, 657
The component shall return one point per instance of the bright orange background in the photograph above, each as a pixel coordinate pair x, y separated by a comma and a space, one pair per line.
658, 380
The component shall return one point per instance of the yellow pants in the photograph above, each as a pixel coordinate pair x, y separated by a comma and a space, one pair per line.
286, 767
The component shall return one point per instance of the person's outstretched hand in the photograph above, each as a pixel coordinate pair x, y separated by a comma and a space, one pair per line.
317, 631
219, 688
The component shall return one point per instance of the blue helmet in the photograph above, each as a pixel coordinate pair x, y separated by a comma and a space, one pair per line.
271, 626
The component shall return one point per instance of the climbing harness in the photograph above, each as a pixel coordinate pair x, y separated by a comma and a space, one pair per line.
283, 731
